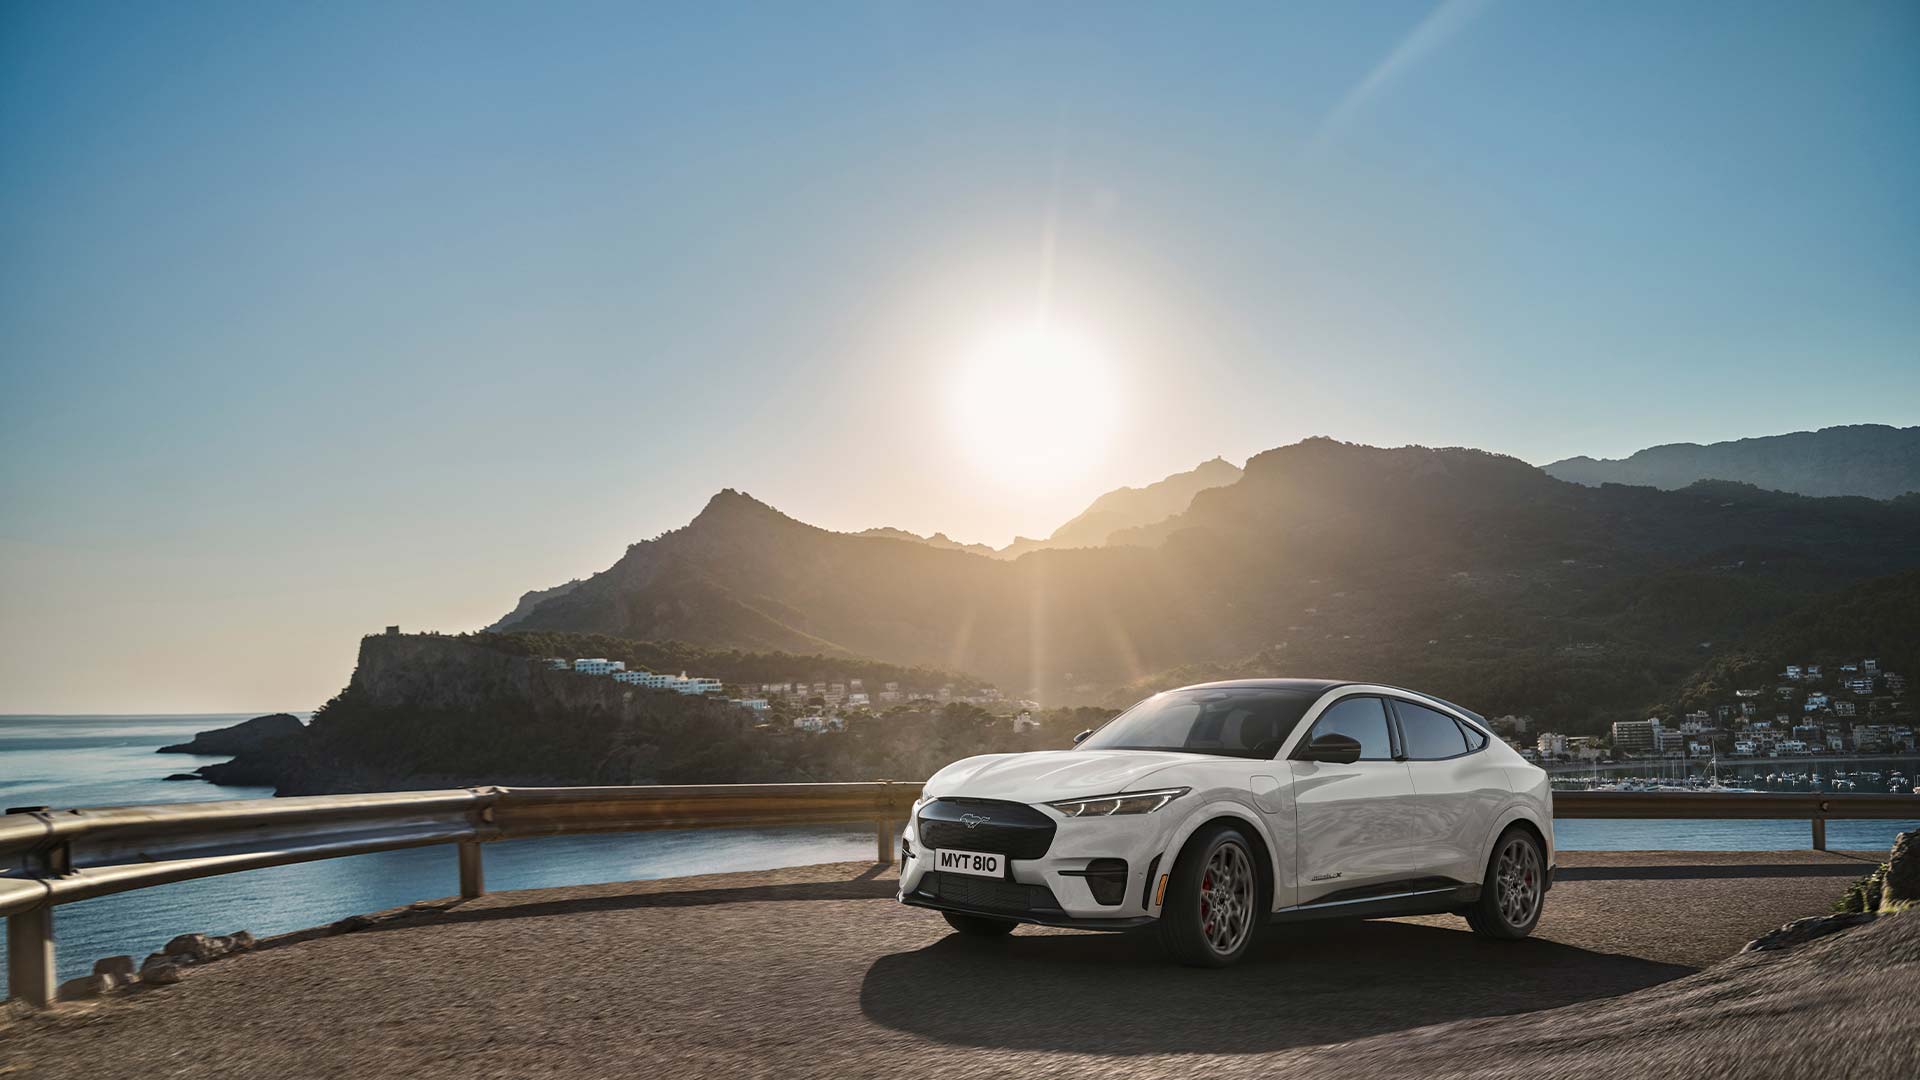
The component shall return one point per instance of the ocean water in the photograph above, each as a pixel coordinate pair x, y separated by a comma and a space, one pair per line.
71, 761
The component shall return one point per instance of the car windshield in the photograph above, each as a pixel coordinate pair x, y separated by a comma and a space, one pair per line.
1249, 722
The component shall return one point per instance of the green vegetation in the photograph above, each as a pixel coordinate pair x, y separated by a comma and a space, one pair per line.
730, 666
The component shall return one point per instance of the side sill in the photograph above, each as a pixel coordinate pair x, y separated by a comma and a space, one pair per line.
1421, 902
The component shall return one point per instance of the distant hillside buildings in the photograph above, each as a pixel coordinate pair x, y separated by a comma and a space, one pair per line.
1867, 713
680, 684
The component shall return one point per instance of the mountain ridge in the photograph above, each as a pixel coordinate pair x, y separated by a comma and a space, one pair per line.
1342, 557
1873, 460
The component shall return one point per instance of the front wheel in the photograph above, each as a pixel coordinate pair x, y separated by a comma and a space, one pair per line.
1515, 888
1213, 899
978, 925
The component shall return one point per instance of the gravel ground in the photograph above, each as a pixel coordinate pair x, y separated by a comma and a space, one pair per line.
816, 972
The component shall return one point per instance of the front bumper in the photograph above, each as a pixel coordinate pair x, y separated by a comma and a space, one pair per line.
1051, 890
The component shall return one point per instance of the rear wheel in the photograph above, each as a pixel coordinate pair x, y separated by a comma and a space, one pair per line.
1213, 899
979, 925
1515, 888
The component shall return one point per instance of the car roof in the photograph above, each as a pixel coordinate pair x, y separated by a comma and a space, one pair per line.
1321, 686
1313, 686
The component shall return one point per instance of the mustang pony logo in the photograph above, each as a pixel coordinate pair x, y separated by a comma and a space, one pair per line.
970, 820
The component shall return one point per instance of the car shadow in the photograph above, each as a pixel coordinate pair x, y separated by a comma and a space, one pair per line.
1300, 985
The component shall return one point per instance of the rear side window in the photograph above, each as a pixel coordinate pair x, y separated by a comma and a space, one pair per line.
1429, 733
1363, 719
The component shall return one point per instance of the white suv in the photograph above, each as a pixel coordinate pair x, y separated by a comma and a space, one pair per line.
1211, 808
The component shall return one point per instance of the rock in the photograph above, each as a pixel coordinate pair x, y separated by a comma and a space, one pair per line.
88, 986
182, 776
159, 973
197, 948
351, 923
239, 738
121, 967
1900, 886
243, 941
1800, 931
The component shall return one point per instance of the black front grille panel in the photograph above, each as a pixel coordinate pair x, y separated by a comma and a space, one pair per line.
989, 894
1013, 829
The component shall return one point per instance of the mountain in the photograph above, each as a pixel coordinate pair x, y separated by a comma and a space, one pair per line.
529, 600
1131, 508
1473, 574
1115, 512
1873, 460
937, 540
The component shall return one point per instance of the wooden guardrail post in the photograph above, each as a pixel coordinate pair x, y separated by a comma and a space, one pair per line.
30, 955
1820, 827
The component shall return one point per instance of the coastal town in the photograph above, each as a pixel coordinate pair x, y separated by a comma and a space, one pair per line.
813, 707
1857, 708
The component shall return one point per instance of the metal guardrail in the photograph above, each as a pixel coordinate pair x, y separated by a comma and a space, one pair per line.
53, 857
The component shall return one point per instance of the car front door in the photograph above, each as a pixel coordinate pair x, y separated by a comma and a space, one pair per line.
1457, 792
1350, 819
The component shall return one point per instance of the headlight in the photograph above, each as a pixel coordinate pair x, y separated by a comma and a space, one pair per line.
1132, 802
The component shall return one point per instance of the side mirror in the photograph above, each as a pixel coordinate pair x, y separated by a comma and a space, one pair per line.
1339, 749
1082, 735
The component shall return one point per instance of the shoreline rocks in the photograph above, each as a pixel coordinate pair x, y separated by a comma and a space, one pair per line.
161, 968
237, 738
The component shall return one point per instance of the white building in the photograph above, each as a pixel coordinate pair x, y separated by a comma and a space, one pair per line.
598, 666
757, 704
1551, 744
1024, 723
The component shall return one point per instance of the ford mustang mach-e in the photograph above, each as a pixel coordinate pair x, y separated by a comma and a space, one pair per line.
1211, 809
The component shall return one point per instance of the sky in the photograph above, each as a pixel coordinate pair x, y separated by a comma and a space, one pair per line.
318, 318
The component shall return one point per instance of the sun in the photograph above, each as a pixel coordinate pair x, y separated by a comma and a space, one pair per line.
1035, 404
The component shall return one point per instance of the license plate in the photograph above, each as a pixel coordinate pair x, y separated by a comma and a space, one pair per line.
971, 863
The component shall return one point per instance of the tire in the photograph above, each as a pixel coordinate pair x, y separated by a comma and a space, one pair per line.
1213, 899
979, 925
1514, 892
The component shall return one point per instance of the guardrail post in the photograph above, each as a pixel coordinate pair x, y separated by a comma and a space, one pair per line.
1819, 833
30, 956
886, 828
472, 875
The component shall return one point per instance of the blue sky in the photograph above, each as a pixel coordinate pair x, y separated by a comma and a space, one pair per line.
315, 318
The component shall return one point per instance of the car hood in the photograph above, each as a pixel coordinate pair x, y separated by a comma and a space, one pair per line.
1052, 774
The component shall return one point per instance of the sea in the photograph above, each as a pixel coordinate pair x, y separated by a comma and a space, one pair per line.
85, 761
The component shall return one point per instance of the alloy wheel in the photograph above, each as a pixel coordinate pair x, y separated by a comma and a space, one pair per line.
1226, 898
1519, 876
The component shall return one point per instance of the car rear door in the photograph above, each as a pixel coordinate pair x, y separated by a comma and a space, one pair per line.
1350, 820
1457, 791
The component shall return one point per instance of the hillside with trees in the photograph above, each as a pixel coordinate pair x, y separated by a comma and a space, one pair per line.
1471, 573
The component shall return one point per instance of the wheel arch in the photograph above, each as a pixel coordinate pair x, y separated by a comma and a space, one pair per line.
1244, 820
1524, 816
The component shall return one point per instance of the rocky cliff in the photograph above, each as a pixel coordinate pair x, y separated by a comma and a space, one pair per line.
426, 711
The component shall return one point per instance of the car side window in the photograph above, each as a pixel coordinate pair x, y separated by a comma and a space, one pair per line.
1363, 719
1429, 734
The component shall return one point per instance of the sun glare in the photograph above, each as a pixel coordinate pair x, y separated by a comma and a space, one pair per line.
1035, 404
